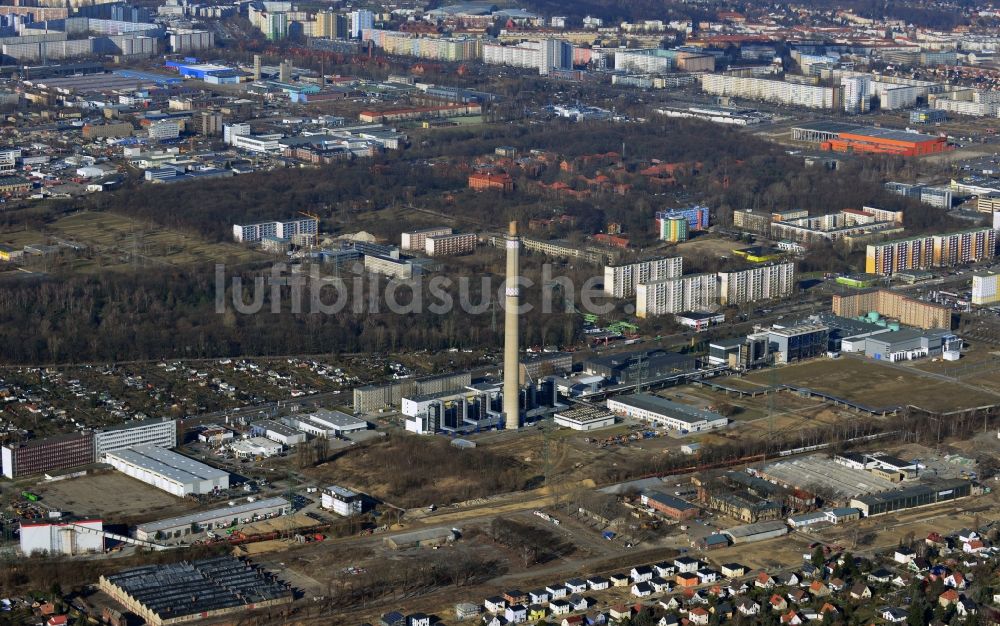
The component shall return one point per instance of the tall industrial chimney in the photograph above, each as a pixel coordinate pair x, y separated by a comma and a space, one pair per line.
511, 333
256, 66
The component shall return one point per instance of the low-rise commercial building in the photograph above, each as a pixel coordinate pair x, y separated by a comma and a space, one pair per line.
223, 517
276, 431
343, 501
584, 418
666, 413
909, 344
174, 473
255, 447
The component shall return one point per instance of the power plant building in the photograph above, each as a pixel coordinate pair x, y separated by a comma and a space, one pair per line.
63, 538
372, 398
174, 473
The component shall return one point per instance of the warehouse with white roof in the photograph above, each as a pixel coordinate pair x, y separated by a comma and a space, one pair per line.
169, 471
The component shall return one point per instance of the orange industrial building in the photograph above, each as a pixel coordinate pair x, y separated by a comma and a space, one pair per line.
885, 141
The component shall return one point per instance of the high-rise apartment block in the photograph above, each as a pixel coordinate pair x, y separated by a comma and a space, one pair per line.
985, 289
620, 281
447, 245
306, 228
967, 246
676, 295
416, 239
759, 283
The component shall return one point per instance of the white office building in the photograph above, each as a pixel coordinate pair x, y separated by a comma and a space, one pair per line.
620, 281
164, 129
696, 292
156, 432
169, 471
342, 501
231, 131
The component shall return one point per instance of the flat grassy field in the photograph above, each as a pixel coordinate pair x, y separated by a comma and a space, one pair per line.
877, 384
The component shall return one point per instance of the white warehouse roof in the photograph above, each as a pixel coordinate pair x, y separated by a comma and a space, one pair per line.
171, 465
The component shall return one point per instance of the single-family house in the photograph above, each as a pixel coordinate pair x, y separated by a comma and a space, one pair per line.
418, 619
669, 620
686, 564
578, 603
670, 604
706, 575
733, 570
698, 615
965, 607
747, 607
861, 591
948, 598
880, 575
641, 573
536, 613
559, 607
620, 580
641, 590
539, 596
797, 596
723, 609
778, 603
598, 583
495, 604
791, 618
836, 585
764, 581
556, 591
955, 580
893, 615
659, 585
516, 613
819, 589
665, 570
620, 612
576, 585
573, 620
687, 579
515, 596
903, 555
